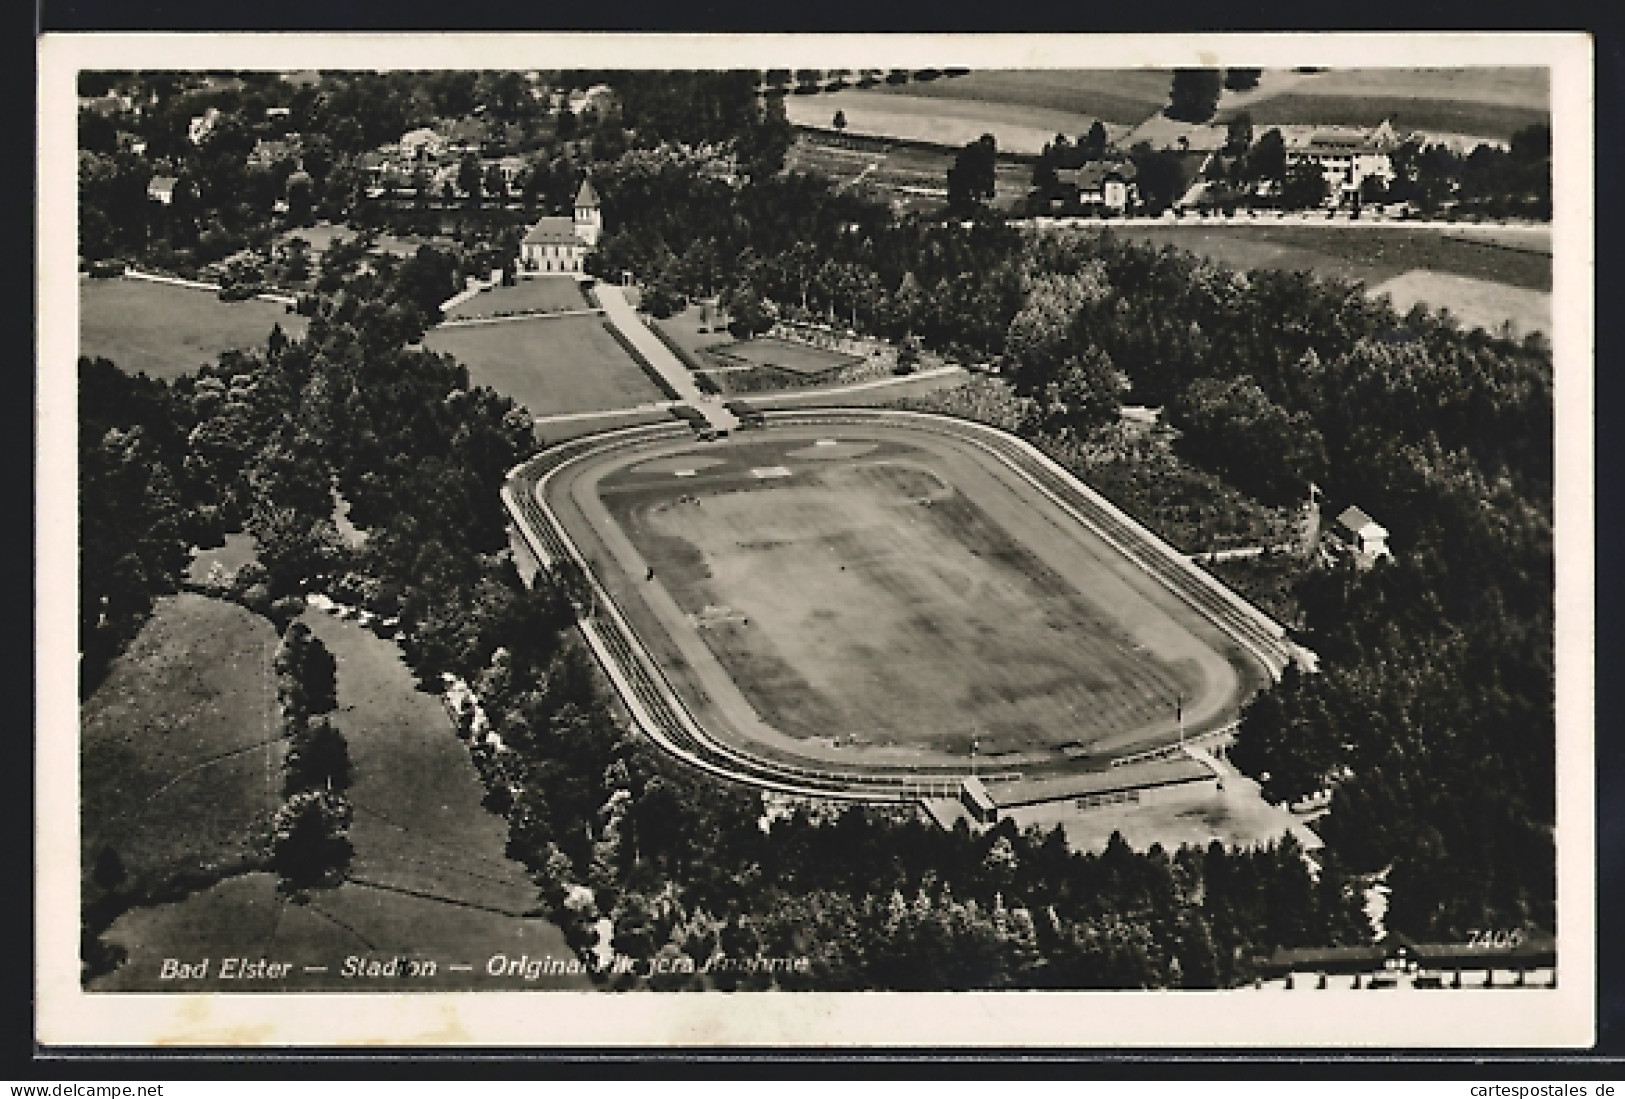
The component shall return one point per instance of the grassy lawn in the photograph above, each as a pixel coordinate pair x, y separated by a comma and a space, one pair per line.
684, 330
246, 917
166, 331
756, 366
877, 396
429, 878
561, 364
321, 237
564, 430
180, 749
785, 355
549, 295
1120, 96
1369, 255
419, 821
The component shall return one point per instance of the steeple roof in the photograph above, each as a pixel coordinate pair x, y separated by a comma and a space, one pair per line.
586, 196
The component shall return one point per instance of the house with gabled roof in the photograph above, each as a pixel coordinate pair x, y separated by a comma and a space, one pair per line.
162, 189
1100, 184
1364, 536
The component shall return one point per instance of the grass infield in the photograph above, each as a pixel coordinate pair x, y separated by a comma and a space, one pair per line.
886, 600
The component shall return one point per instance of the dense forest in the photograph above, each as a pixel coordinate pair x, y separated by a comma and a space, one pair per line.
1269, 380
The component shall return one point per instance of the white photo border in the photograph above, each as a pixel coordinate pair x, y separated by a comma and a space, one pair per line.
1564, 1017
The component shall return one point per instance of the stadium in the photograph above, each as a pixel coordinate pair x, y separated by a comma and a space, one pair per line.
888, 606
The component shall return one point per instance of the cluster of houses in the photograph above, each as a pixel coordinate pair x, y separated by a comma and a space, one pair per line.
433, 156
1346, 157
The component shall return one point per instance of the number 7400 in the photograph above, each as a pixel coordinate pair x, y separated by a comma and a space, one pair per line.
1500, 939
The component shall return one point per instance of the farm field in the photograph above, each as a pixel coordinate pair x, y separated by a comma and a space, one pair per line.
180, 749
560, 364
1121, 97
1474, 302
1434, 116
871, 599
429, 878
1502, 86
165, 331
1370, 255
911, 179
551, 295
1484, 102
951, 123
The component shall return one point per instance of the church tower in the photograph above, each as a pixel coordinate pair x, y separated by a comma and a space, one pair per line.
589, 219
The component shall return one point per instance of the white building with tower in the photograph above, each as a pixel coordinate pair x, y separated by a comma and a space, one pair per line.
559, 245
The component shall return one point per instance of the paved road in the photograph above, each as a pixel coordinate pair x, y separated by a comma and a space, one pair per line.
624, 317
1535, 232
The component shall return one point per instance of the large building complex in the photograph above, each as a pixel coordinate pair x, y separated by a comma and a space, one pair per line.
1346, 157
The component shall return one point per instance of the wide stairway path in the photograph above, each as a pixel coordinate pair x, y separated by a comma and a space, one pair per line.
624, 317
